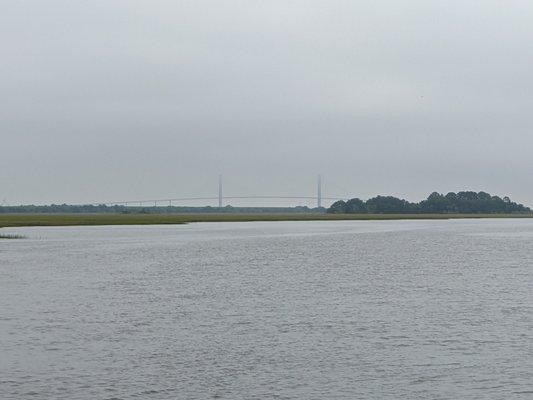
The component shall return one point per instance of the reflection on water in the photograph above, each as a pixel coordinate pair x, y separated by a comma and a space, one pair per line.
291, 310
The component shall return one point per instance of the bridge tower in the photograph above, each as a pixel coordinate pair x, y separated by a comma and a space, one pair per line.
319, 191
219, 191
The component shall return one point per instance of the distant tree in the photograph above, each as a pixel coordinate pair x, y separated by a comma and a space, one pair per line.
388, 205
339, 207
435, 203
497, 204
461, 202
483, 196
355, 206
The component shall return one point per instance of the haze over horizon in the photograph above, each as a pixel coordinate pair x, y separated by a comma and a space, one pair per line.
121, 100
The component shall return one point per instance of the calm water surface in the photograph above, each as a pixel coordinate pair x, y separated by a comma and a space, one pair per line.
287, 310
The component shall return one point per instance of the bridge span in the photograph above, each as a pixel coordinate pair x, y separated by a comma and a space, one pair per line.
169, 201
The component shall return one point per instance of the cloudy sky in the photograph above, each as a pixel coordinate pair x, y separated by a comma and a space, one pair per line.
108, 100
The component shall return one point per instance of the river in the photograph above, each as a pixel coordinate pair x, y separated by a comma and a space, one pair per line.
262, 310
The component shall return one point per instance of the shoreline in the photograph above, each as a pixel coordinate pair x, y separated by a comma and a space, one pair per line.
29, 220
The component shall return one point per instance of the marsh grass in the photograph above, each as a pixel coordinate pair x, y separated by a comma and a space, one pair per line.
16, 220
10, 236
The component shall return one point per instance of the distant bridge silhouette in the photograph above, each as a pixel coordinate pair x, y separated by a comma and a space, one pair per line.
157, 202
168, 201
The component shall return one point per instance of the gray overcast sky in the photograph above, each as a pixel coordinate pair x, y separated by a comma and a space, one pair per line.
107, 100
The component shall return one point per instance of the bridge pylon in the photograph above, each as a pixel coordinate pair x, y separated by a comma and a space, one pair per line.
219, 191
319, 191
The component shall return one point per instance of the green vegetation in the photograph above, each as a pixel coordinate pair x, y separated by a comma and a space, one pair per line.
436, 206
9, 236
452, 203
132, 209
15, 220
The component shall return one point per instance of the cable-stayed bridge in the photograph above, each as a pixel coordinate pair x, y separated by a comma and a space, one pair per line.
221, 198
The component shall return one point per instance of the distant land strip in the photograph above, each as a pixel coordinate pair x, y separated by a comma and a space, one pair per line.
27, 220
464, 204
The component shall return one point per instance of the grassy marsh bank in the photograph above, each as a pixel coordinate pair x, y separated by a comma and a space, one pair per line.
10, 236
19, 220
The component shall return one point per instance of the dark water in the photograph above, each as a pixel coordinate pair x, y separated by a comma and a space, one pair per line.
289, 310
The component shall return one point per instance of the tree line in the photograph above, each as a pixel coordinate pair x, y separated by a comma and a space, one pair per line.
466, 202
130, 209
